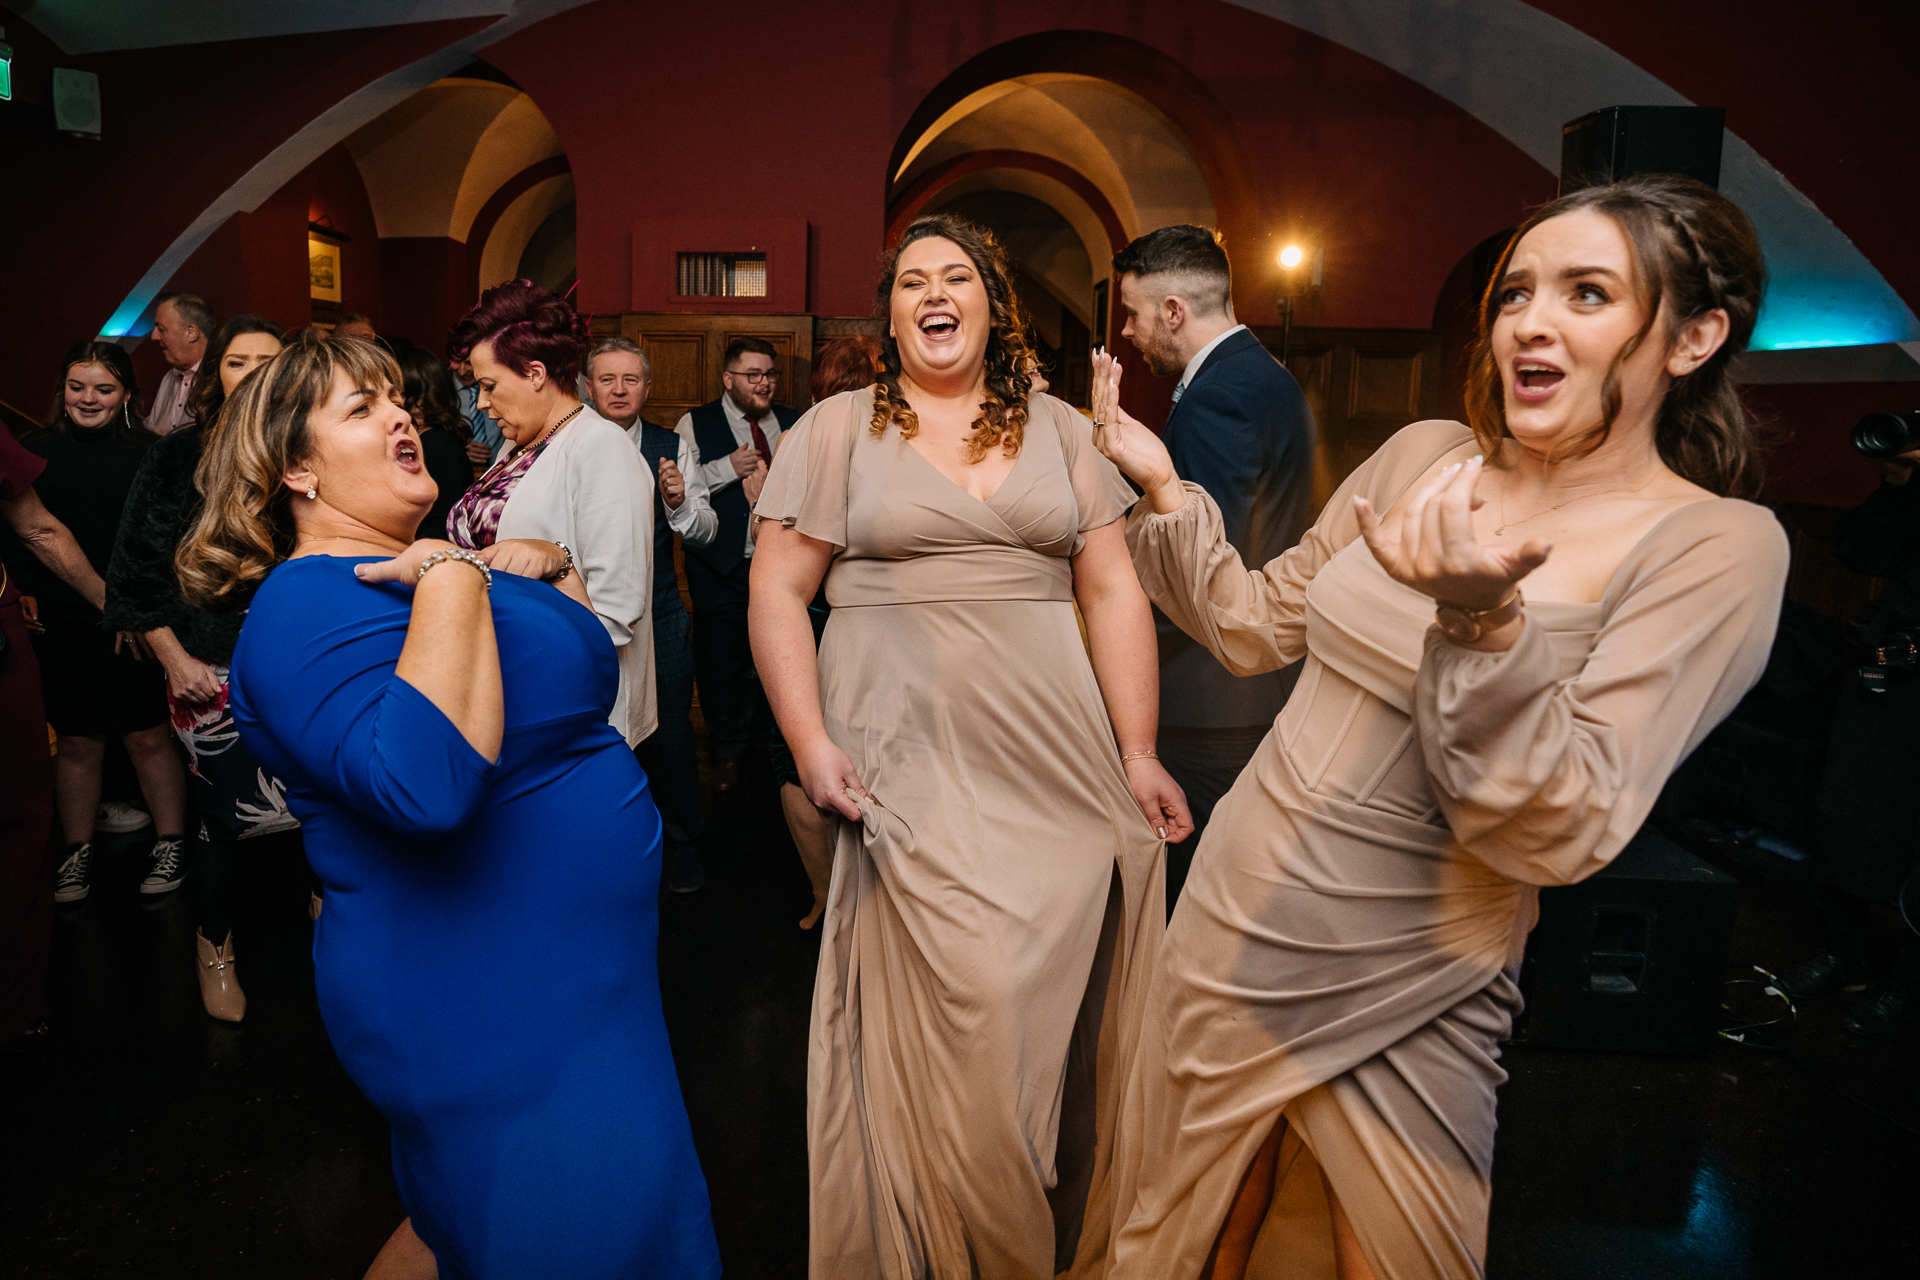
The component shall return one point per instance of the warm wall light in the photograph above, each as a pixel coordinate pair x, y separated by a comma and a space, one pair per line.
1291, 256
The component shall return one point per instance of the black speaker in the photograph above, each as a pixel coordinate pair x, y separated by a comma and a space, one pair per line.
1633, 959
1618, 142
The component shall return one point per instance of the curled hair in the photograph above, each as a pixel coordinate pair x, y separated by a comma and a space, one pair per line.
1693, 251
428, 387
1003, 414
844, 364
524, 323
245, 526
208, 393
118, 362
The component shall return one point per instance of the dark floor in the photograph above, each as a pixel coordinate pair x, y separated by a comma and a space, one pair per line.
146, 1140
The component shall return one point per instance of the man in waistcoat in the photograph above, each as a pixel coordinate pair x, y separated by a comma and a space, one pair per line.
618, 379
732, 438
1241, 430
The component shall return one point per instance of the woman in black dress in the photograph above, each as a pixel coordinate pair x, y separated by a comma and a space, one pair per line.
434, 404
94, 685
236, 797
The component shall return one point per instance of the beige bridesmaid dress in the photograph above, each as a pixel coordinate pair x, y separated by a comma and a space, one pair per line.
991, 920
1345, 951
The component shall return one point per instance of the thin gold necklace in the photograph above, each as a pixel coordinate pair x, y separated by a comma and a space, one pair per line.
1506, 524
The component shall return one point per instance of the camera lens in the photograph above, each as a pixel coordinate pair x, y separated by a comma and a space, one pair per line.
1887, 434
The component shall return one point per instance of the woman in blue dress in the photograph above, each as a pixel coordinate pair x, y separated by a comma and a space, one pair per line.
486, 959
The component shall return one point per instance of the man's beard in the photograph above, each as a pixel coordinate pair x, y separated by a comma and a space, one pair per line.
1162, 360
745, 403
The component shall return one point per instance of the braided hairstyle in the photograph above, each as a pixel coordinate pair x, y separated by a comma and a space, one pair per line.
1693, 251
1003, 414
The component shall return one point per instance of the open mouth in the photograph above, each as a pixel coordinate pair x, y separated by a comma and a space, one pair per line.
1536, 380
407, 454
939, 325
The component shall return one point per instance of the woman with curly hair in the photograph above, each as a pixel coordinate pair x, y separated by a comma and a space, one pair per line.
995, 897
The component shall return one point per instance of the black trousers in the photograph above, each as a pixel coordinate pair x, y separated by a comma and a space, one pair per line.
1205, 762
731, 699
667, 754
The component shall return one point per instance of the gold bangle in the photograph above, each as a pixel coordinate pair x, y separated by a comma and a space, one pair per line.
1148, 754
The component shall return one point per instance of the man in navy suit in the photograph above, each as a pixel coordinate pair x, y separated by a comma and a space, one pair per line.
1241, 430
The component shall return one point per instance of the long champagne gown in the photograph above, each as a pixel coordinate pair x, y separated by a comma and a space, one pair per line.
991, 921
1345, 951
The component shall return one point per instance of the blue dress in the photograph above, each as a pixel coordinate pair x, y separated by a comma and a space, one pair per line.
486, 959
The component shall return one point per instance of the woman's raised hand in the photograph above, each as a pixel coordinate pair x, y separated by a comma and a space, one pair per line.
1139, 454
525, 557
404, 567
1432, 547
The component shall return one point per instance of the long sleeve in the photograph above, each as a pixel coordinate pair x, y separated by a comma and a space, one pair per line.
1545, 774
1232, 446
1254, 620
322, 707
695, 520
143, 593
718, 473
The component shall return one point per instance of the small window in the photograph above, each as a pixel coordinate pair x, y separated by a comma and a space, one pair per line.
722, 275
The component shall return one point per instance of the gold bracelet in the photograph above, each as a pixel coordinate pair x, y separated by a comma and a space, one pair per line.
1148, 754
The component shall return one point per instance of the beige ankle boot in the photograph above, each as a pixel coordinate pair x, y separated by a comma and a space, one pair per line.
220, 979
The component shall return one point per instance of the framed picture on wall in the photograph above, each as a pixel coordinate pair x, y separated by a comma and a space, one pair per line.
323, 270
1100, 315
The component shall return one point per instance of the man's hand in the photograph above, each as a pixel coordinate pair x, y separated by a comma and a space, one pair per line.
192, 681
673, 485
478, 453
745, 459
1899, 470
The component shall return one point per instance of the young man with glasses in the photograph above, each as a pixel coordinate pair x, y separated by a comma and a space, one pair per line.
733, 439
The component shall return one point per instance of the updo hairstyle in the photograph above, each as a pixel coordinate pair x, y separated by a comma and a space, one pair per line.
1693, 250
524, 323
1003, 414
245, 526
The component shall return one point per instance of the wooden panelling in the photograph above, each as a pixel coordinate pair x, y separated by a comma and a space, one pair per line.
1362, 385
686, 350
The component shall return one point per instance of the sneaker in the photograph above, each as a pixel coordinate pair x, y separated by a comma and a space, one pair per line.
72, 885
166, 865
119, 817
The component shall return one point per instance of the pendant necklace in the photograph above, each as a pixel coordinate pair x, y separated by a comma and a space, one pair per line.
1506, 524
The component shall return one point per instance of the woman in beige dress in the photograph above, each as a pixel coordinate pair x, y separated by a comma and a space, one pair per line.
1314, 1092
990, 921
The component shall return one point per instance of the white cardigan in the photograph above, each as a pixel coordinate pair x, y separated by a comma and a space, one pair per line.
590, 490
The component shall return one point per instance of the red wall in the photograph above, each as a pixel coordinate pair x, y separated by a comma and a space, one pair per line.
180, 125
1342, 148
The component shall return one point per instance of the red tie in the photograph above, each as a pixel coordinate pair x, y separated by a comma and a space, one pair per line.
760, 442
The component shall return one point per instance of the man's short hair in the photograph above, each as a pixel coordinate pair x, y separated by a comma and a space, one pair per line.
354, 317
741, 346
192, 308
607, 346
1193, 261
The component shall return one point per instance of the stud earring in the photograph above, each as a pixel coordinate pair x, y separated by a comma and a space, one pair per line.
312, 493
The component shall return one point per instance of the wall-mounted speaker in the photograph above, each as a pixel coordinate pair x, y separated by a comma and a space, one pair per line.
1632, 959
1619, 142
76, 103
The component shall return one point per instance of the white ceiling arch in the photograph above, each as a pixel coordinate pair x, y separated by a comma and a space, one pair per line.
1525, 73
325, 131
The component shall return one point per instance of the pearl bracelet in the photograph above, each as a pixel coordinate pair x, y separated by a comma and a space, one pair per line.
464, 557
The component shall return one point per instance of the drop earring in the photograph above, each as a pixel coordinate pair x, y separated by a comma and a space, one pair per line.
312, 493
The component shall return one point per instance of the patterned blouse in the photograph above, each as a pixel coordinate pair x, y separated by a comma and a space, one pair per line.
474, 522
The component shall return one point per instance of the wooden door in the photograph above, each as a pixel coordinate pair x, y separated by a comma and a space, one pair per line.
685, 351
1362, 385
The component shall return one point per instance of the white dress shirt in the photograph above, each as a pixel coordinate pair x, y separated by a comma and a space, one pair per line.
1200, 357
170, 401
590, 490
719, 472
693, 519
